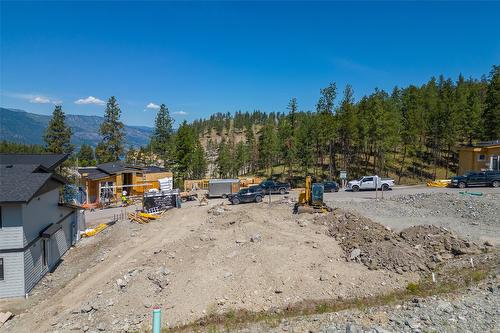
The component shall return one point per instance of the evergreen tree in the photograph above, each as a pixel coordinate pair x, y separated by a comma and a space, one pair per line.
57, 136
348, 127
200, 164
241, 157
185, 142
86, 156
252, 148
268, 145
293, 109
492, 112
161, 139
111, 146
224, 160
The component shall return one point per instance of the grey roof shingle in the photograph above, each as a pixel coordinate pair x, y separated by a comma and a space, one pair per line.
20, 182
48, 161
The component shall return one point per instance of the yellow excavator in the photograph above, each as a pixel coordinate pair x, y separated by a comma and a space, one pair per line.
311, 200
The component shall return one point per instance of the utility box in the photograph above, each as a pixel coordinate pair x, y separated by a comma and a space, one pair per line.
222, 187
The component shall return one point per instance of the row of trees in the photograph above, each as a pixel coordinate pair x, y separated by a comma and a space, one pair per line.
410, 132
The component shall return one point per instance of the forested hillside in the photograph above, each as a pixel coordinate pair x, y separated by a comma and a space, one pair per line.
411, 133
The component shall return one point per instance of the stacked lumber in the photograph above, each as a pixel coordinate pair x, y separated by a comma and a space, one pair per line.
143, 218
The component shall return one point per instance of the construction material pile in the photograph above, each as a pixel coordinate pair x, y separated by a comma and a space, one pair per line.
415, 249
143, 218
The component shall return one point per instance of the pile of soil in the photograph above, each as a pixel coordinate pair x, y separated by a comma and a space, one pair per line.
415, 249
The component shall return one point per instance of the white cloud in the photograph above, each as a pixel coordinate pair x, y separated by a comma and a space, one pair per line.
32, 98
90, 100
152, 105
180, 113
40, 100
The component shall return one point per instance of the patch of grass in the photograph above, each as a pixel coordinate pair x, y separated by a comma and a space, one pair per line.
321, 308
413, 288
477, 276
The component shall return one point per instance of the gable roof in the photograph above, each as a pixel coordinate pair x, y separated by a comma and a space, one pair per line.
48, 161
19, 183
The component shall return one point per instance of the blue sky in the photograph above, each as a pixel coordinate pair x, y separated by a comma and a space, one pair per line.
206, 57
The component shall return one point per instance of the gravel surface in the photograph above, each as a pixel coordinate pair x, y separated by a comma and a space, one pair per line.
473, 217
476, 310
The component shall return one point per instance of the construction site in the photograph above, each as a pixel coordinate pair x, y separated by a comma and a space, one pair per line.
212, 266
249, 166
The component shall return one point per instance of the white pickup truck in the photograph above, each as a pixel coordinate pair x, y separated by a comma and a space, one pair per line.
369, 183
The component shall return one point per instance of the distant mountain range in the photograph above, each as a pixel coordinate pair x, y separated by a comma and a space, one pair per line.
24, 127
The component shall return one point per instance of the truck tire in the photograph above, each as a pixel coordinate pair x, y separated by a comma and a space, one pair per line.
355, 188
495, 183
385, 187
235, 201
462, 185
282, 191
258, 198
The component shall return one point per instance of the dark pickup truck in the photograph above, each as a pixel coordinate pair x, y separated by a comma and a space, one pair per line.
271, 186
477, 178
251, 194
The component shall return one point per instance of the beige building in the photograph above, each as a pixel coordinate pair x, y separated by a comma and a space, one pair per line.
109, 180
479, 157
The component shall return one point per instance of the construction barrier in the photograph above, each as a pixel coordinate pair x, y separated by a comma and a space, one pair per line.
439, 183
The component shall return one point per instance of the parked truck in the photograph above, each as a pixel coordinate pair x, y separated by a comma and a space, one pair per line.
370, 183
476, 178
270, 186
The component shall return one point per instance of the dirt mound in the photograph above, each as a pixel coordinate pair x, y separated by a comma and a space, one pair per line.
415, 249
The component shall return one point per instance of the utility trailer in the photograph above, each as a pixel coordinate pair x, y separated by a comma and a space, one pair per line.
222, 187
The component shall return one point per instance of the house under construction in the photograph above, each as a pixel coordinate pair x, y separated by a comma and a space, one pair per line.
109, 180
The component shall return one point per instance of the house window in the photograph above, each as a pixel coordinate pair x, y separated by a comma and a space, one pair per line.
481, 157
1, 270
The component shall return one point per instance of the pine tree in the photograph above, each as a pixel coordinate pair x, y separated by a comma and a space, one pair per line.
86, 156
161, 139
111, 146
348, 127
327, 129
224, 160
57, 136
492, 112
293, 109
184, 147
252, 148
200, 165
268, 145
